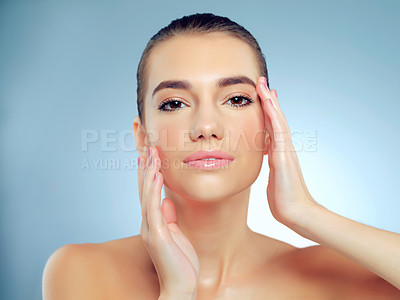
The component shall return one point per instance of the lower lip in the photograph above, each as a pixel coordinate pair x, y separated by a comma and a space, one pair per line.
208, 164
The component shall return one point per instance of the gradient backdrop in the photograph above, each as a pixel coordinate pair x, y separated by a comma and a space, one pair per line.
68, 98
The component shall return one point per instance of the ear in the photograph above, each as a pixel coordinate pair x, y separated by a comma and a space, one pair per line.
140, 136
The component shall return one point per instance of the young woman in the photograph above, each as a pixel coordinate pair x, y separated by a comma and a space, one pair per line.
206, 119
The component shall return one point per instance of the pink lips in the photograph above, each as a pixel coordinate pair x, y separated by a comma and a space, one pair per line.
199, 159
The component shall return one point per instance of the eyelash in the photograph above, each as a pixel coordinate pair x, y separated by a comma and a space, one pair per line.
166, 102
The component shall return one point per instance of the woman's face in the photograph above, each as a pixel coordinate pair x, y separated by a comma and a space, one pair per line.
205, 115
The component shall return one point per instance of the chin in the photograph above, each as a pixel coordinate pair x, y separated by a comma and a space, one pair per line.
206, 186
206, 195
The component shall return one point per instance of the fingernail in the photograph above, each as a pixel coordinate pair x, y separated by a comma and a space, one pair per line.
265, 83
148, 152
155, 176
138, 161
151, 160
270, 101
264, 80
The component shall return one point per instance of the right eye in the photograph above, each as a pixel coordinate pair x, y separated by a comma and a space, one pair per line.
173, 105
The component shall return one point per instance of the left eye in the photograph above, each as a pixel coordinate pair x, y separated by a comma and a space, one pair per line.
236, 100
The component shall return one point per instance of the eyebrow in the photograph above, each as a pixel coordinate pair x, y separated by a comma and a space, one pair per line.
186, 85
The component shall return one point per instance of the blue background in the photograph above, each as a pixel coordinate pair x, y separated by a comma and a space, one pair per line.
67, 67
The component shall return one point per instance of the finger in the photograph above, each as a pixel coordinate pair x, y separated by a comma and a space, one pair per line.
272, 94
142, 172
154, 215
275, 93
152, 168
147, 182
267, 121
274, 98
269, 109
141, 168
280, 134
281, 139
144, 228
169, 211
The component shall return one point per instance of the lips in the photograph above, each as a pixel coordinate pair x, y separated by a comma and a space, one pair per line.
204, 155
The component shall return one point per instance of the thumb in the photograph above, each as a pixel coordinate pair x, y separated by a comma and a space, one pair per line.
168, 210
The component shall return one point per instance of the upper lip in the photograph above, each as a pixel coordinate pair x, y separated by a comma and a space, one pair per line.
208, 154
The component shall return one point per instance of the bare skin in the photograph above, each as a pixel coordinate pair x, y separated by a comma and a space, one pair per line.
122, 269
211, 208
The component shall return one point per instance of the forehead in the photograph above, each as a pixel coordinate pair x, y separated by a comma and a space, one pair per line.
201, 58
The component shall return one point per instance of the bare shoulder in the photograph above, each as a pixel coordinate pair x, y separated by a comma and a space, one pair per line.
342, 273
96, 270
68, 274
279, 248
317, 259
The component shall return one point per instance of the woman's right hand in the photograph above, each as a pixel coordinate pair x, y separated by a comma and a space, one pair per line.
173, 256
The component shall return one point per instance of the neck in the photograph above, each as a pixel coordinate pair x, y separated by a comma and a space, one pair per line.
218, 231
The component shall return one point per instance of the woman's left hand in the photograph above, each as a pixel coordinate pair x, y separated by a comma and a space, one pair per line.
376, 250
288, 196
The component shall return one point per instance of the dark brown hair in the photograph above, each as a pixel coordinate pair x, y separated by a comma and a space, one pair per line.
200, 23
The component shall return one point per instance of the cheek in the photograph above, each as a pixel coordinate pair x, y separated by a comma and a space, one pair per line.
170, 140
249, 132
252, 153
258, 130
169, 135
258, 133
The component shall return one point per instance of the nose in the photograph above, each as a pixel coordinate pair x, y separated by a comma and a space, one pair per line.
207, 126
